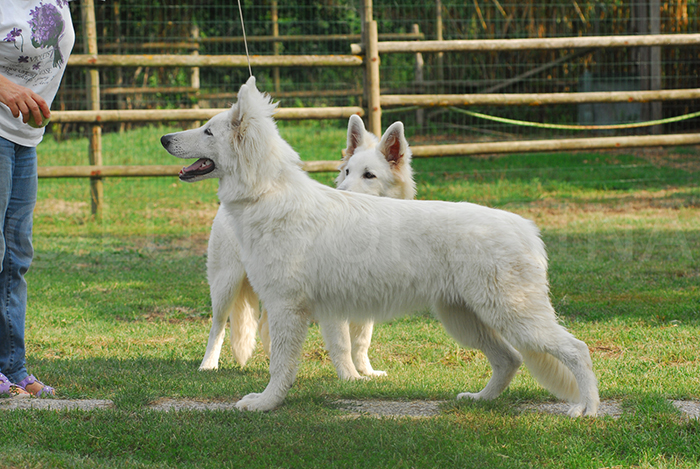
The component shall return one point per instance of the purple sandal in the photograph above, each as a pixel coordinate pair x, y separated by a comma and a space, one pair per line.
45, 391
7, 389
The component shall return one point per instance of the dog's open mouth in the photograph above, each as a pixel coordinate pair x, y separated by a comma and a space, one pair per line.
199, 168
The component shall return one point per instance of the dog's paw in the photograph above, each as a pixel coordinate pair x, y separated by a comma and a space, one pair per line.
474, 396
349, 375
576, 410
375, 373
583, 410
357, 378
209, 362
257, 402
365, 369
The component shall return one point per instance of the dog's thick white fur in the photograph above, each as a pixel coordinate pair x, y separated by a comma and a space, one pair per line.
368, 166
313, 251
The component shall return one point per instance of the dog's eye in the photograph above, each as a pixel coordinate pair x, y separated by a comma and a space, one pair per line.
347, 172
207, 131
368, 175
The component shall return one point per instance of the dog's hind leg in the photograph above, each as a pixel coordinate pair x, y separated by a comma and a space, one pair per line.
336, 335
464, 325
360, 337
553, 339
288, 328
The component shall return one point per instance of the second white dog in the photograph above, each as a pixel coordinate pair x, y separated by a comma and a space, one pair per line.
311, 251
369, 166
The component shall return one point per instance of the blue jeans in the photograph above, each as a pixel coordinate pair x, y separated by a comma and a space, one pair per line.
18, 189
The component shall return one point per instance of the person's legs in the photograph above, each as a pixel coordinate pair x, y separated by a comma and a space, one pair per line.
18, 190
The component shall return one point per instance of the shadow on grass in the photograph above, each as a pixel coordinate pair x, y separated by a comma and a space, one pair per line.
135, 382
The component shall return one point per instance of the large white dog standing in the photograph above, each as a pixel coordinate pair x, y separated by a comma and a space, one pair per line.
370, 167
313, 251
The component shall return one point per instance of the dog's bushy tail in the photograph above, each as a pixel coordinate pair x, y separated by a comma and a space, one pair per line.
244, 314
264, 331
552, 375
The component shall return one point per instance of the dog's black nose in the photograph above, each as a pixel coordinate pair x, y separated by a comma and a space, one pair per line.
165, 141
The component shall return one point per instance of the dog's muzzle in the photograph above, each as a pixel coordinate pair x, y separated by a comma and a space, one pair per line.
199, 168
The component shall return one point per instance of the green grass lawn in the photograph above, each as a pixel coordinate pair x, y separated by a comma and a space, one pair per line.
119, 309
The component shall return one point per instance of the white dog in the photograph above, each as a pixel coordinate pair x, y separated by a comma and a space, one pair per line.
366, 167
313, 251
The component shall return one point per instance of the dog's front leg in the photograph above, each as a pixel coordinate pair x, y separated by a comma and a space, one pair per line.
336, 335
288, 328
361, 336
231, 296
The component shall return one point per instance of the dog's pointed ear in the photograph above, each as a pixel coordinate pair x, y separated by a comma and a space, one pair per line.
239, 107
248, 87
246, 97
356, 135
393, 145
252, 103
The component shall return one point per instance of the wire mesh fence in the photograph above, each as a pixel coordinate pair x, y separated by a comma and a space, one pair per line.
327, 28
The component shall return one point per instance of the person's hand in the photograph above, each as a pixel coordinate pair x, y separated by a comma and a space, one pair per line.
23, 100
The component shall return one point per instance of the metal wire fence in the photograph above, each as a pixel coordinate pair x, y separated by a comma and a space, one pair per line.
213, 27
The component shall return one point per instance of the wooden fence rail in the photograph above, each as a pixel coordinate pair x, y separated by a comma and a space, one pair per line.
91, 171
569, 144
196, 43
163, 60
181, 115
485, 45
538, 99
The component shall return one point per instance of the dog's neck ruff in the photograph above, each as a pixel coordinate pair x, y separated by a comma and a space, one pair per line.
264, 183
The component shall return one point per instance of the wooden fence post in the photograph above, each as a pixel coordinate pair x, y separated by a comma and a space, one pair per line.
276, 45
374, 111
646, 16
440, 55
87, 9
121, 99
419, 81
194, 72
370, 39
655, 65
